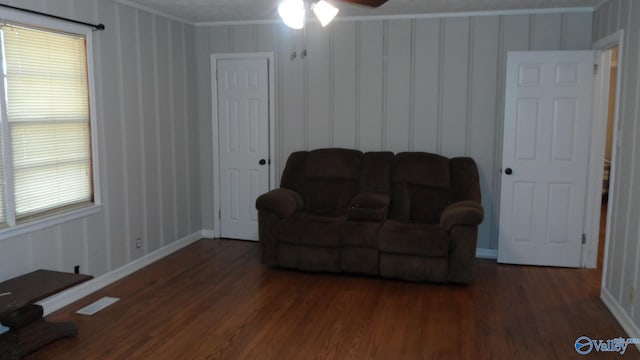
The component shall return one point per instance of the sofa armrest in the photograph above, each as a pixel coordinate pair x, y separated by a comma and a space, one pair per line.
461, 213
282, 202
369, 207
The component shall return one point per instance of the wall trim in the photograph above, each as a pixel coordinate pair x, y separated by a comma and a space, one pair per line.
62, 299
152, 11
76, 293
621, 316
410, 16
208, 233
486, 253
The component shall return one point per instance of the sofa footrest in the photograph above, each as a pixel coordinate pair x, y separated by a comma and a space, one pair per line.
309, 258
360, 260
414, 268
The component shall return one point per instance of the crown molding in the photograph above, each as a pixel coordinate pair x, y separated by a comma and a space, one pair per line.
414, 16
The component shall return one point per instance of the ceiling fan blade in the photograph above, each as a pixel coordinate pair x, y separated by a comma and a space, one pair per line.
372, 3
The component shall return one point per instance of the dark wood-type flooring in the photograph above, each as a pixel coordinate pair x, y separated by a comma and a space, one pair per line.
213, 300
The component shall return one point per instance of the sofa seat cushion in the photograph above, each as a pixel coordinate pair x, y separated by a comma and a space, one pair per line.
413, 239
312, 230
361, 234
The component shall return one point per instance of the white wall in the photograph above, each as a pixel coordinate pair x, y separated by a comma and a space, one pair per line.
622, 282
146, 105
432, 85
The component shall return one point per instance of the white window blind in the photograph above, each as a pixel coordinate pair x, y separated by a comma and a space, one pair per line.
47, 115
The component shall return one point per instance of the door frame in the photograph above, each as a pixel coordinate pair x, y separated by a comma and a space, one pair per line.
215, 150
596, 158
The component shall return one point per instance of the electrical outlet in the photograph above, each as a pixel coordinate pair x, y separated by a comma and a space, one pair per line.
76, 269
138, 243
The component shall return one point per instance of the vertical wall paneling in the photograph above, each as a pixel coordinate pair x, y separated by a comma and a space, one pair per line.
17, 256
344, 84
432, 85
614, 245
425, 85
370, 84
483, 118
546, 31
577, 31
291, 94
398, 85
623, 263
268, 41
243, 38
455, 72
203, 70
143, 229
220, 39
166, 143
624, 183
98, 244
134, 109
631, 148
44, 248
632, 35
603, 20
130, 125
84, 11
114, 154
614, 7
318, 86
186, 142
72, 247
150, 124
192, 124
179, 136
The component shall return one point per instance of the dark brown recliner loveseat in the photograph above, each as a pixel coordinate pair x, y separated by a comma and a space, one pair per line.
412, 216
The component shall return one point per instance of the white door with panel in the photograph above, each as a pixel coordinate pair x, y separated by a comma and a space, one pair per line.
545, 157
243, 135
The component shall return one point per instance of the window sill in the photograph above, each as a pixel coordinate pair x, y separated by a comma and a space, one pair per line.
49, 222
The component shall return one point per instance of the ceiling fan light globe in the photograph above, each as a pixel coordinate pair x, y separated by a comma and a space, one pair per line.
292, 13
325, 12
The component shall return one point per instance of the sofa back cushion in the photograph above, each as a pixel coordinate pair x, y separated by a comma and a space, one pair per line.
376, 172
332, 177
420, 187
327, 179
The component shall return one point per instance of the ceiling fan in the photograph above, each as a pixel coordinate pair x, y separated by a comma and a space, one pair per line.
292, 12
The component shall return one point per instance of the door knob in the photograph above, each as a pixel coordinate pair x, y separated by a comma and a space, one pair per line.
508, 171
262, 161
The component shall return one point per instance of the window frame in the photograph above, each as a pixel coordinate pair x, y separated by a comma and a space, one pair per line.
12, 230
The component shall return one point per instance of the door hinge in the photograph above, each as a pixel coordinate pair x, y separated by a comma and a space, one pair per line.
595, 69
219, 214
584, 239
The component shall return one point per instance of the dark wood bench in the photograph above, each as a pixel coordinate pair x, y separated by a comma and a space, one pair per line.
28, 330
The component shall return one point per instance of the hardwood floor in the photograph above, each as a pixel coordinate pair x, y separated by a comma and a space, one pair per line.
213, 300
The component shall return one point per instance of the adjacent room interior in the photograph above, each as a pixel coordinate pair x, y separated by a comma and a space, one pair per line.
319, 179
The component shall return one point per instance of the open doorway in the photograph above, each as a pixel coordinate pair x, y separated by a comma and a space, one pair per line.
603, 151
612, 70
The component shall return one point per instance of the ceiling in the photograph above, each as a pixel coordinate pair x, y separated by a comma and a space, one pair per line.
243, 10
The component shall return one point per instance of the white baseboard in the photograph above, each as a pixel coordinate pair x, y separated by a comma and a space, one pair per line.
627, 323
76, 293
487, 254
208, 233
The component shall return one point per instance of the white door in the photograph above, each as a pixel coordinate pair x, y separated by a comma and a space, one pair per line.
545, 157
243, 135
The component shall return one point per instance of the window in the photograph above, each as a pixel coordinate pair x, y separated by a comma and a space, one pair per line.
46, 167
